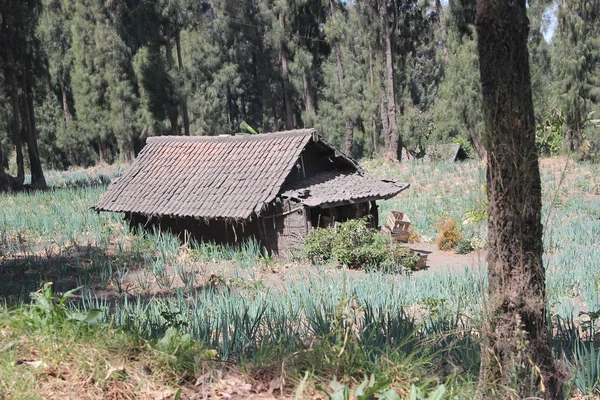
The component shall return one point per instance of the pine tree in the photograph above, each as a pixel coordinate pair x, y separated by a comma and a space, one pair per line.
457, 110
88, 81
335, 34
54, 31
21, 52
577, 56
540, 58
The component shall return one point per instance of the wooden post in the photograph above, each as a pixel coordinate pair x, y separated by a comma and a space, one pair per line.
374, 215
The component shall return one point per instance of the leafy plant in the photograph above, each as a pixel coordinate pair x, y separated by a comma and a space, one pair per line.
419, 394
319, 245
464, 246
355, 245
549, 134
585, 368
48, 309
366, 391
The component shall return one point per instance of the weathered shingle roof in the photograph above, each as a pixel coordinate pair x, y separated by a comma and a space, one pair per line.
206, 176
331, 187
445, 152
229, 177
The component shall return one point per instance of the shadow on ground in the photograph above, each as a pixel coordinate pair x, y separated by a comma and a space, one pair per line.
67, 269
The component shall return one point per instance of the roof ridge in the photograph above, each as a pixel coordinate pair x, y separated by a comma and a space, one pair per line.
268, 135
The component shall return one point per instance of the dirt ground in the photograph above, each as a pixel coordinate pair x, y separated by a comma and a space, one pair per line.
281, 272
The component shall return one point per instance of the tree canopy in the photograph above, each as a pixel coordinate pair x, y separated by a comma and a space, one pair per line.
87, 81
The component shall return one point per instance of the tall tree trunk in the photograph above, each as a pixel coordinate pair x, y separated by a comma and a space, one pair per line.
285, 80
383, 108
569, 134
37, 174
392, 148
348, 125
439, 10
515, 344
172, 114
101, 152
309, 102
65, 103
186, 119
14, 92
372, 81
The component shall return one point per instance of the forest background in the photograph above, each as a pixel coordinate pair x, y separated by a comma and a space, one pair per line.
87, 81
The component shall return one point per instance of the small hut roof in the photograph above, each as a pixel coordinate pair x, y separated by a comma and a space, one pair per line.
335, 187
231, 177
445, 152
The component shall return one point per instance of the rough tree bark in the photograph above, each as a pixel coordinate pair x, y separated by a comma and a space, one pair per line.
515, 343
439, 10
384, 116
285, 80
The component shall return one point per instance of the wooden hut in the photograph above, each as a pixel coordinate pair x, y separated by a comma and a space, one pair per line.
274, 187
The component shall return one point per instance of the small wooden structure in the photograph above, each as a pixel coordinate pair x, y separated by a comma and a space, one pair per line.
451, 152
273, 187
397, 226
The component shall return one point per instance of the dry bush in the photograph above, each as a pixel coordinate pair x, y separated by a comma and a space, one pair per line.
449, 234
413, 235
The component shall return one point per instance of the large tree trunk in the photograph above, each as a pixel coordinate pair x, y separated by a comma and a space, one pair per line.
14, 92
186, 119
37, 174
515, 345
285, 80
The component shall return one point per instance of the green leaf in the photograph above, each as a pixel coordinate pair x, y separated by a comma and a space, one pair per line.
390, 395
92, 317
68, 294
373, 388
177, 394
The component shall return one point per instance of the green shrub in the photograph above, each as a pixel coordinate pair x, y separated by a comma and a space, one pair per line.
464, 246
319, 244
404, 257
355, 245
549, 136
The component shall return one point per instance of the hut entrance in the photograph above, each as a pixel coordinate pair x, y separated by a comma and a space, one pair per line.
326, 217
